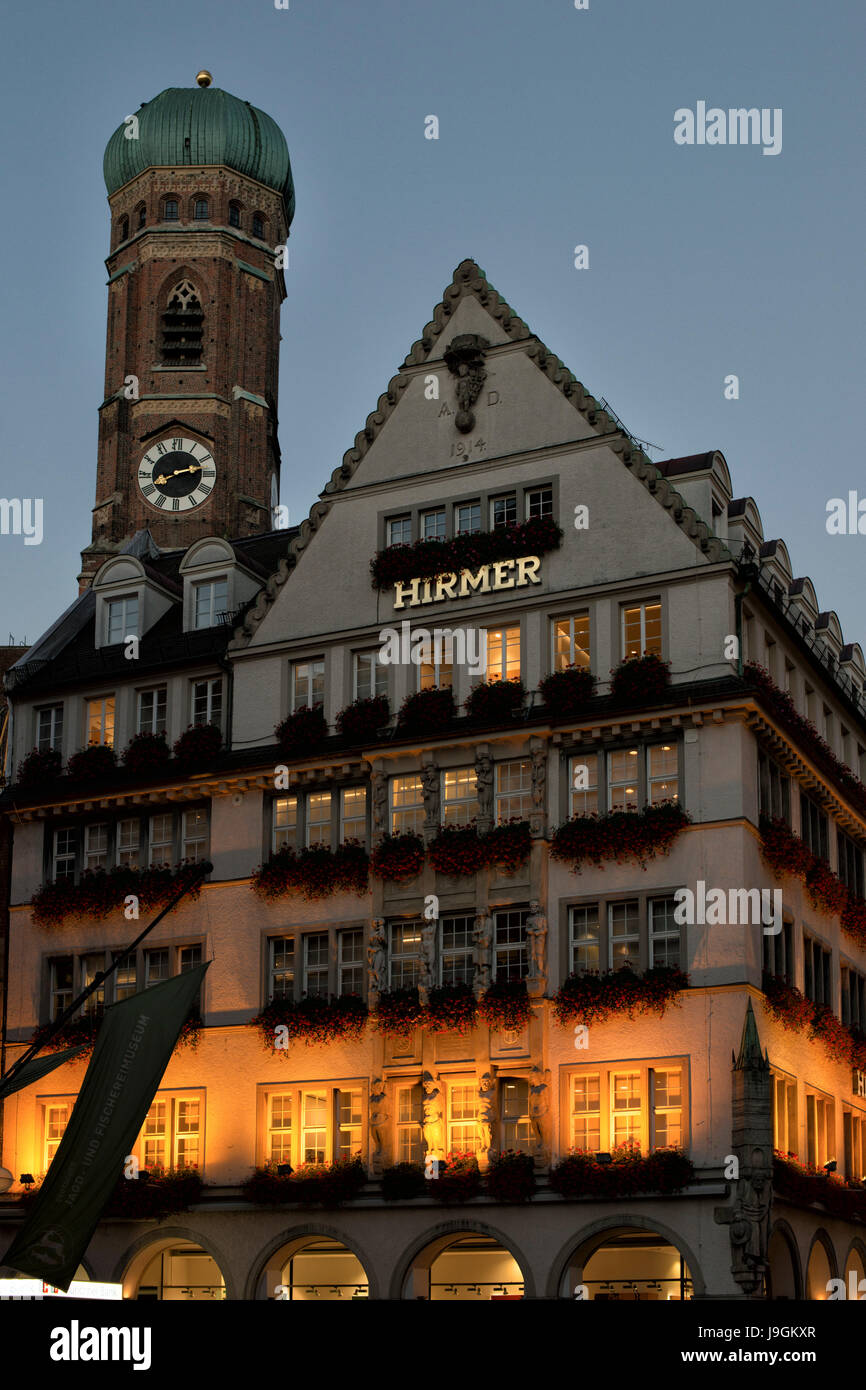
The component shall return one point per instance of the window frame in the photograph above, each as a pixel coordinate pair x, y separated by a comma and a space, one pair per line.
646, 1067
629, 606
602, 902
297, 1090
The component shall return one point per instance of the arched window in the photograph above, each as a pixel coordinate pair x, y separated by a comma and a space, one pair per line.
124, 229
182, 326
169, 210
258, 224
142, 215
234, 215
201, 212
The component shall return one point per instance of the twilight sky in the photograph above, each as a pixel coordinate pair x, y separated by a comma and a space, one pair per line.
556, 129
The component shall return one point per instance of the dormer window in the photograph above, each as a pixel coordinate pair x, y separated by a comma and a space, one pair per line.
121, 618
169, 210
200, 212
211, 601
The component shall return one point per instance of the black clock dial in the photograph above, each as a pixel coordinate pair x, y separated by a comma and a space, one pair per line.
177, 475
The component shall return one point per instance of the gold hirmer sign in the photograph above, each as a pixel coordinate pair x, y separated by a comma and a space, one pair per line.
501, 574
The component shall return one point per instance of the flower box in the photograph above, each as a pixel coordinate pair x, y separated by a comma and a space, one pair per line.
591, 998
323, 1184
312, 1020
99, 893
92, 764
452, 1009
505, 1006
566, 694
316, 872
806, 1185
152, 1197
428, 711
457, 851
511, 1177
198, 745
82, 1031
619, 835
38, 770
578, 1174
786, 853
303, 733
507, 847
495, 701
399, 858
426, 559
459, 1179
640, 680
146, 753
403, 1182
361, 721
399, 1012
795, 1012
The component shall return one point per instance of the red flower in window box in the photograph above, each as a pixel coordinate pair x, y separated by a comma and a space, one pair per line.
146, 752
495, 701
567, 693
303, 733
452, 1009
457, 850
459, 1179
83, 1030
92, 764
155, 1194
198, 745
99, 893
316, 872
426, 559
38, 770
795, 1012
429, 711
312, 1020
640, 680
579, 1174
619, 835
507, 846
511, 1177
399, 1012
591, 998
786, 853
323, 1184
505, 1006
806, 1185
399, 858
361, 721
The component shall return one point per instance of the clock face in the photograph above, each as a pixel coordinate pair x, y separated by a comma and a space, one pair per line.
176, 474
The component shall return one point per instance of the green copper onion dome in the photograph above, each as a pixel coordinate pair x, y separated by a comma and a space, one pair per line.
202, 125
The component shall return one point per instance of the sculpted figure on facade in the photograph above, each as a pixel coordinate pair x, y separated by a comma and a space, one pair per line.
379, 786
539, 1105
482, 939
427, 975
484, 783
430, 792
432, 1121
539, 788
377, 959
536, 940
749, 1221
378, 1123
486, 1111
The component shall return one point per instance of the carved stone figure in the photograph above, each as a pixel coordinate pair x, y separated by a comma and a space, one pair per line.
539, 778
482, 939
539, 1103
536, 938
432, 1123
378, 1122
486, 1110
464, 358
379, 785
484, 781
430, 792
427, 977
377, 959
749, 1220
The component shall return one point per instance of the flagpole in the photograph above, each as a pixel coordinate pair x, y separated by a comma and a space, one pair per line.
201, 871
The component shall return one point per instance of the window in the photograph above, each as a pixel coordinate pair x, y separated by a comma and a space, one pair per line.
152, 707
813, 827
459, 796
539, 502
49, 728
124, 229
456, 955
350, 962
169, 210
399, 530
436, 665
258, 225
100, 720
513, 795
664, 934
850, 863
784, 1102
96, 846
210, 602
55, 1119
182, 326
407, 805
142, 216
509, 944
409, 1134
774, 789
622, 780
370, 677
195, 835
516, 1132
319, 819
570, 641
433, 525
503, 511
503, 653
281, 968
121, 619
642, 630
642, 1106
279, 1137
349, 1121
820, 1129
778, 954
284, 823
816, 961
162, 838
312, 1124
583, 938
201, 211
624, 935
207, 701
157, 966
234, 215
853, 995
129, 842
316, 964
60, 985
463, 1136
353, 814
467, 518
404, 957
308, 684
583, 785
125, 979
172, 1136
854, 1135
63, 858
661, 771
314, 1133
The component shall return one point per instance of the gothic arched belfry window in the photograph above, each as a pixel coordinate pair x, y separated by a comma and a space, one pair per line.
182, 326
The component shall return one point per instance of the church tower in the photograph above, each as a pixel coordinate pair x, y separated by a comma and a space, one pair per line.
201, 197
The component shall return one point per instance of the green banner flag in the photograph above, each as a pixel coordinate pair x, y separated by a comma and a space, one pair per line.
131, 1054
35, 1069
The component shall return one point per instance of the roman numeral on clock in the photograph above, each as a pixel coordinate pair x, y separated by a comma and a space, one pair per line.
161, 501
149, 490
208, 472
205, 488
175, 504
143, 473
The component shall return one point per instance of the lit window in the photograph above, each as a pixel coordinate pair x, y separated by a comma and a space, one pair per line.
463, 1136
89, 966
854, 1143
353, 814
400, 530
503, 653
571, 641
642, 630
539, 502
187, 1136
457, 960
169, 210
667, 1108
662, 773
349, 1120
279, 1138
49, 729
509, 952
195, 836
515, 1124
622, 779
459, 796
513, 790
350, 962
129, 841
152, 706
162, 838
56, 1120
467, 518
281, 968
308, 684
171, 1136
96, 846
433, 525
370, 676
319, 819
407, 805
409, 1134
583, 938
586, 1112
503, 511
583, 785
60, 985
156, 1135
100, 721
211, 602
314, 1133
285, 822
820, 1129
664, 933
207, 701
437, 663
316, 964
625, 1106
125, 979
624, 935
201, 212
404, 957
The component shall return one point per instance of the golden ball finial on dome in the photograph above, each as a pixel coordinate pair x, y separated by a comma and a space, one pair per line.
204, 78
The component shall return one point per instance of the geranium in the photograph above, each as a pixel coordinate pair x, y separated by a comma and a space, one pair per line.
451, 1009
511, 1177
426, 559
198, 745
311, 1020
303, 732
316, 872
99, 892
619, 835
146, 752
505, 1006
92, 764
567, 693
404, 1181
786, 853
457, 850
459, 1179
81, 1031
590, 998
39, 769
325, 1184
806, 1185
507, 846
640, 680
427, 711
785, 1003
399, 1012
492, 702
155, 1194
361, 721
399, 858
579, 1174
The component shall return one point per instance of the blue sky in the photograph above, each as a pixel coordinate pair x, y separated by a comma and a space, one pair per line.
556, 128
